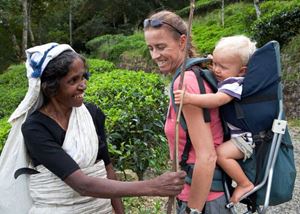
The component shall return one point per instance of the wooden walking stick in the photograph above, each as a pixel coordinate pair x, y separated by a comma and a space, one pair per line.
175, 163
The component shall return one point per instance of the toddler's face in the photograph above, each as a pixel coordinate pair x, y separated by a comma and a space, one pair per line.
227, 65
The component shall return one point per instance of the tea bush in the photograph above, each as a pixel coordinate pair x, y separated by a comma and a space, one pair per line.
97, 65
4, 130
111, 47
13, 86
280, 24
135, 104
201, 7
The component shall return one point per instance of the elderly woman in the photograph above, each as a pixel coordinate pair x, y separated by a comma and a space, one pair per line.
64, 139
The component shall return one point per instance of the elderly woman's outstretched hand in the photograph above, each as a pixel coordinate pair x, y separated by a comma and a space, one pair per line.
169, 183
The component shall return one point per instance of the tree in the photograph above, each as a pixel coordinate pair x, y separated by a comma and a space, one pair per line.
70, 22
25, 27
222, 13
30, 32
257, 9
10, 29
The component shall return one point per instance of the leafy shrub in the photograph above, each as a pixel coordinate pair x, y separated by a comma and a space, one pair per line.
94, 44
290, 60
4, 130
282, 24
111, 47
145, 205
13, 86
201, 7
59, 36
135, 104
97, 65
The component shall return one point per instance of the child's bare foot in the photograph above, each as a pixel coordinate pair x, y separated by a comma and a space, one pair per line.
240, 191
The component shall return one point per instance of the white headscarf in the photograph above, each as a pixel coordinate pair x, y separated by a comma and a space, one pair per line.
38, 58
14, 155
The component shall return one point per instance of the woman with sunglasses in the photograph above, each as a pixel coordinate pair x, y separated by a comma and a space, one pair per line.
165, 35
70, 170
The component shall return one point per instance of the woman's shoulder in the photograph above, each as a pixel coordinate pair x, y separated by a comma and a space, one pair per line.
37, 122
35, 118
189, 76
189, 81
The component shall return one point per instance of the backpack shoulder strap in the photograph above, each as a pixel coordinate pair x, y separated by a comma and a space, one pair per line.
191, 62
204, 74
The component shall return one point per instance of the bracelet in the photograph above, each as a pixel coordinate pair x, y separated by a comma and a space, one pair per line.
195, 211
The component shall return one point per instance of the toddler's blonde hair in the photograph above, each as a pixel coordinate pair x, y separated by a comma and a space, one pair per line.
239, 45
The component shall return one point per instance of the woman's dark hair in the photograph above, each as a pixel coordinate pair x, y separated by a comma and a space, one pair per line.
56, 69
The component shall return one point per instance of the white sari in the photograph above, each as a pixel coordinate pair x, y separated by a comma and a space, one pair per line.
50, 194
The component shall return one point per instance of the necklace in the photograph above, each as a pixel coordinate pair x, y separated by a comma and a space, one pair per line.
54, 118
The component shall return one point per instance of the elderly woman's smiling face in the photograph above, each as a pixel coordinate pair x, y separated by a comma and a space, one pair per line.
72, 86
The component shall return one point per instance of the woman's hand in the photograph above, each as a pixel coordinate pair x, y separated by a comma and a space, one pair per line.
169, 183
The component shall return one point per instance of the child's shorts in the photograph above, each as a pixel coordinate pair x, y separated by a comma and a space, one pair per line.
245, 144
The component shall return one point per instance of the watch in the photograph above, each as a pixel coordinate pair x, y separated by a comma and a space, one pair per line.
195, 211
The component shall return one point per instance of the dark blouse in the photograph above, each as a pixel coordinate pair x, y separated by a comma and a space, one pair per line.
44, 139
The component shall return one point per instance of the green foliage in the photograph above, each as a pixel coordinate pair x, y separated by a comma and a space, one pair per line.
208, 30
135, 104
290, 60
59, 36
139, 205
111, 47
13, 86
6, 57
201, 7
294, 122
281, 24
4, 130
98, 66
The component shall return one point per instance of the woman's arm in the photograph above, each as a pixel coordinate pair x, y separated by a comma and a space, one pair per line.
169, 183
203, 100
202, 141
116, 202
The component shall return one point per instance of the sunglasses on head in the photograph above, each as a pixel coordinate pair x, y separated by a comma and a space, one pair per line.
158, 23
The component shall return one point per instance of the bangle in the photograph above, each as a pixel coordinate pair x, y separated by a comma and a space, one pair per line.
195, 211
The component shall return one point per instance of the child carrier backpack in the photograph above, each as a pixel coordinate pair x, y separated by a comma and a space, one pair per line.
260, 111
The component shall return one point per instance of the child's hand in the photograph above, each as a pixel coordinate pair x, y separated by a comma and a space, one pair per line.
180, 94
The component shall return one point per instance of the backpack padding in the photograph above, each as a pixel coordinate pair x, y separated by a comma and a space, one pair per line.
263, 69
